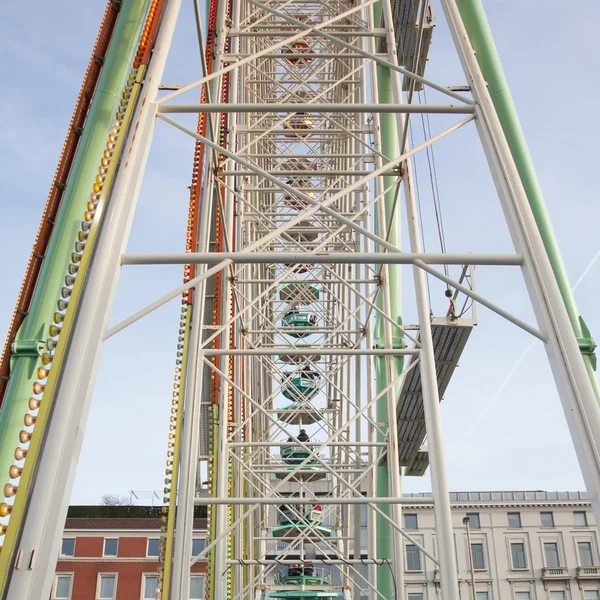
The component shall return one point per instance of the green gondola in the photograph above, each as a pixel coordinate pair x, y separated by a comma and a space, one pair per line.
294, 455
303, 322
299, 387
299, 413
293, 530
304, 594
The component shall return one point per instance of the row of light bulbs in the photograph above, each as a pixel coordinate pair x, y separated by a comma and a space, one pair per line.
171, 448
54, 331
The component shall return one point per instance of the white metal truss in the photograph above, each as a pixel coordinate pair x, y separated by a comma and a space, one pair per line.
298, 181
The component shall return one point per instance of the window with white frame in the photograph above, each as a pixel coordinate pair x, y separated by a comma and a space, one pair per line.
196, 587
411, 522
111, 547
415, 596
482, 595
150, 584
474, 521
198, 545
517, 554
558, 595
61, 589
514, 520
478, 556
586, 558
522, 596
591, 594
551, 554
153, 548
413, 558
107, 586
580, 518
67, 547
547, 519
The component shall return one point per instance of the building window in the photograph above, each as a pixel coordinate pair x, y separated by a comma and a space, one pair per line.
150, 585
61, 590
557, 595
410, 522
580, 519
551, 552
111, 547
478, 558
591, 595
153, 548
514, 520
547, 519
196, 588
107, 587
474, 522
522, 596
517, 552
68, 547
413, 558
418, 596
481, 595
198, 545
585, 554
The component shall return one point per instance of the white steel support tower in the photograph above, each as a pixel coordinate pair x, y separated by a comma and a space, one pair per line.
301, 396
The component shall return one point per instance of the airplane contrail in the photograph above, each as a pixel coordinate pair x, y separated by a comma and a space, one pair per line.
521, 358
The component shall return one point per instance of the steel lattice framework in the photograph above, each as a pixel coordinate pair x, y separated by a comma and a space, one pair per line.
299, 393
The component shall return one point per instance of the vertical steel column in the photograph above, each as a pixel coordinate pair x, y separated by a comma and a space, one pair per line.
43, 528
431, 404
480, 36
190, 438
577, 390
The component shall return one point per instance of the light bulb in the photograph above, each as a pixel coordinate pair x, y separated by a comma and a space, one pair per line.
5, 509
34, 403
24, 436
43, 373
38, 388
72, 269
15, 472
20, 453
10, 490
58, 317
46, 359
62, 304
29, 420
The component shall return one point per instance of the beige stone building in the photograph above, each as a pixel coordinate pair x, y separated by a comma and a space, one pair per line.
526, 546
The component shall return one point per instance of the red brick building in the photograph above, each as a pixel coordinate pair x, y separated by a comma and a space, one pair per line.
111, 553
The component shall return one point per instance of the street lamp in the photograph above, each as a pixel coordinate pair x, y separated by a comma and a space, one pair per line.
473, 591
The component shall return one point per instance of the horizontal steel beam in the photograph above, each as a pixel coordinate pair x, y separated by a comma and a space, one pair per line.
461, 109
380, 258
292, 443
309, 351
324, 500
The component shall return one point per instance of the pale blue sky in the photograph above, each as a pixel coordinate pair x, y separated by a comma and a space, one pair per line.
521, 441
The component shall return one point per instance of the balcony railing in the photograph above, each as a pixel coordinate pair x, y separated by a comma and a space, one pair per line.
588, 572
555, 573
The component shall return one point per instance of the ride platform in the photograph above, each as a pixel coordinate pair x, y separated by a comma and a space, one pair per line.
449, 339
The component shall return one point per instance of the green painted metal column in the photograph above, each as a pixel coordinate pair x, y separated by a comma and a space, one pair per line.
482, 41
33, 334
390, 147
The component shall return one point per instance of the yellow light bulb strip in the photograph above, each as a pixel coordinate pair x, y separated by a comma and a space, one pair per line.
171, 501
56, 345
